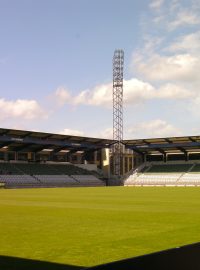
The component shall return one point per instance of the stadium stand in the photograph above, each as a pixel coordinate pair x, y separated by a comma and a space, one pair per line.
29, 158
171, 161
171, 174
33, 174
32, 158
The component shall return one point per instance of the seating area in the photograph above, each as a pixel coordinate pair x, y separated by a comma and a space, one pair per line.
37, 168
9, 168
19, 180
196, 168
68, 169
171, 174
32, 169
190, 178
57, 180
88, 180
34, 174
168, 168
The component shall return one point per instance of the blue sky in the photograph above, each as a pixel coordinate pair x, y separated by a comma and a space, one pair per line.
56, 66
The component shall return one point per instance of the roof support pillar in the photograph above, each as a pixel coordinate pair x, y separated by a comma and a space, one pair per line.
184, 152
186, 156
5, 156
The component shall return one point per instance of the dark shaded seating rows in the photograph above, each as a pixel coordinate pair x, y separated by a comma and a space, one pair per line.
41, 169
169, 168
196, 168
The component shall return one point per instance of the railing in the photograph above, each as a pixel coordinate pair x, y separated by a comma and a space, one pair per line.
132, 171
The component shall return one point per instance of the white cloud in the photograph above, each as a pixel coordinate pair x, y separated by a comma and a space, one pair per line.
106, 134
193, 107
174, 5
21, 108
174, 91
73, 132
175, 14
156, 4
152, 129
100, 95
186, 43
61, 96
182, 67
178, 61
184, 18
149, 129
135, 92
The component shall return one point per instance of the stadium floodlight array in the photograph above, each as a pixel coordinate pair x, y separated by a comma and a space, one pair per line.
118, 66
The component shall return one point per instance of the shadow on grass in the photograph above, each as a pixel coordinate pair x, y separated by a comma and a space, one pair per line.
14, 263
181, 258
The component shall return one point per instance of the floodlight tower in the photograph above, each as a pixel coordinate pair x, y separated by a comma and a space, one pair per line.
118, 66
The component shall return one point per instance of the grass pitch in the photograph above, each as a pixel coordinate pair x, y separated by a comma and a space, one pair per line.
91, 226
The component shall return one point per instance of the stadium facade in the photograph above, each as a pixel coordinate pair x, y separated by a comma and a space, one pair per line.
21, 145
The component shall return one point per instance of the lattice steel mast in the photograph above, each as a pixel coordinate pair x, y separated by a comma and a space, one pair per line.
118, 66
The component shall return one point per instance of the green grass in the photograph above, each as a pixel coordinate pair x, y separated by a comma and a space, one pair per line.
90, 226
